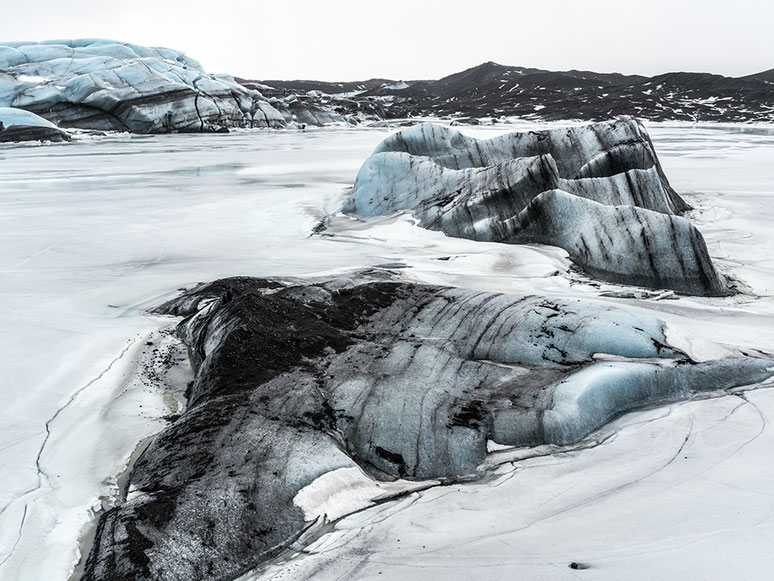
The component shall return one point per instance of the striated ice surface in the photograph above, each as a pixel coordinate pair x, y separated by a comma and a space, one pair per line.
110, 85
408, 381
597, 191
612, 162
598, 150
87, 250
624, 243
17, 125
679, 492
596, 394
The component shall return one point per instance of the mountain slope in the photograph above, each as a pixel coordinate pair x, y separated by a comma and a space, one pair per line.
494, 90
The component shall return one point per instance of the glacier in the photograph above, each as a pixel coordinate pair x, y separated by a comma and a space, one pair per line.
106, 85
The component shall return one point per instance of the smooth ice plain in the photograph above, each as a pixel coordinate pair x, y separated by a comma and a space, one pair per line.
95, 232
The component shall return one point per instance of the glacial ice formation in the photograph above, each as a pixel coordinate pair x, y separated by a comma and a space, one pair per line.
20, 125
10, 116
597, 191
626, 243
395, 379
108, 85
596, 150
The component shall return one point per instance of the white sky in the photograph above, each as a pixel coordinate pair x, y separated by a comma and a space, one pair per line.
411, 39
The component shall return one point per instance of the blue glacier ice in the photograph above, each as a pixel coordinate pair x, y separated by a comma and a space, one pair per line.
376, 377
597, 191
11, 116
109, 85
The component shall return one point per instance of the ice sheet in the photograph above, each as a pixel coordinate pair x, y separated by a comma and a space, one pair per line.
94, 232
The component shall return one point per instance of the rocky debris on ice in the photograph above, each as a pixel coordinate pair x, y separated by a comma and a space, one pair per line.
366, 376
597, 191
109, 85
317, 109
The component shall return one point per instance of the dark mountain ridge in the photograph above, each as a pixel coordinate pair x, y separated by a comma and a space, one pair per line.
495, 90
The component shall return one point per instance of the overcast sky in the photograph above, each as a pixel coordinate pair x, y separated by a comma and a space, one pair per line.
412, 39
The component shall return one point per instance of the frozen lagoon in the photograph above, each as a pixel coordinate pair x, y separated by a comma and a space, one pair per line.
97, 231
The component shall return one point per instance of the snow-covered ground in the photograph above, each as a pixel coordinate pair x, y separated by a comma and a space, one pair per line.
95, 232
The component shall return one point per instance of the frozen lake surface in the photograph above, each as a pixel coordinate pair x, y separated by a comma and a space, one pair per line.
95, 232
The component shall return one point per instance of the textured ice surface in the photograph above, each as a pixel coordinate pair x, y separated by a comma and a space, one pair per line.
596, 191
680, 492
596, 394
108, 85
624, 243
409, 381
598, 150
394, 181
213, 495
95, 232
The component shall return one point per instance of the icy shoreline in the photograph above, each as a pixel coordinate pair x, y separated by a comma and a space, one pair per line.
485, 129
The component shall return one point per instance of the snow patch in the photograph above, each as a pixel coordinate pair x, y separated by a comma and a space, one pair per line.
345, 490
31, 79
